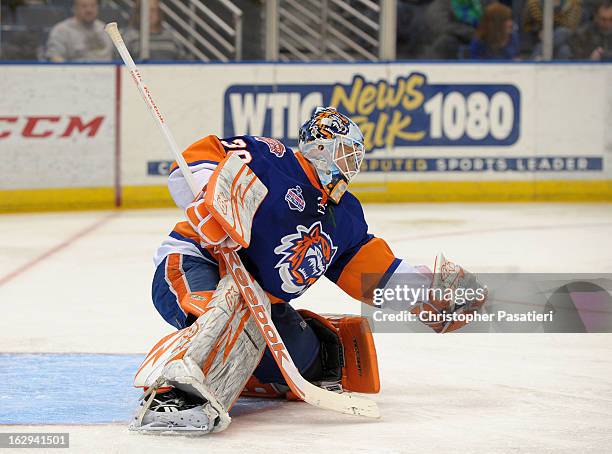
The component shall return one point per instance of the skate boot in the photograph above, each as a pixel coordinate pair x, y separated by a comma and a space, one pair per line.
174, 411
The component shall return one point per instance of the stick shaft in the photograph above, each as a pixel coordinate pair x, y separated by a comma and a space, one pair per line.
112, 30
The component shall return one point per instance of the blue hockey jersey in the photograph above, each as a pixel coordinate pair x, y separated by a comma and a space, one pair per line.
297, 236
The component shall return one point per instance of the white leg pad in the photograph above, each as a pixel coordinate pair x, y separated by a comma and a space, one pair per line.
213, 358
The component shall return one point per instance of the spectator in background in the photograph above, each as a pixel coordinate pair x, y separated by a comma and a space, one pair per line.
162, 44
589, 8
22, 44
451, 24
567, 15
412, 36
81, 37
594, 39
496, 37
12, 6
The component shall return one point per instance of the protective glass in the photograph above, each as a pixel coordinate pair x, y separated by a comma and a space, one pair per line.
347, 156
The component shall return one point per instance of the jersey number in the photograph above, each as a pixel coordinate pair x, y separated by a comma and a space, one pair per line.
238, 146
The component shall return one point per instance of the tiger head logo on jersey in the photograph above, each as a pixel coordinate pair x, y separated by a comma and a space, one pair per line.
306, 256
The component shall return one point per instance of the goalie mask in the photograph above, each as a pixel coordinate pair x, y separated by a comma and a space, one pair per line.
333, 143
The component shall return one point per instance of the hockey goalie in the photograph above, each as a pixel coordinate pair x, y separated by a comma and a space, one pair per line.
293, 223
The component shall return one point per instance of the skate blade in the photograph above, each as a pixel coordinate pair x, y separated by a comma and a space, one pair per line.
164, 429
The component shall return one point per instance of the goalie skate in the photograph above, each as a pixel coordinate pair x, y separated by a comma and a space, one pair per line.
175, 411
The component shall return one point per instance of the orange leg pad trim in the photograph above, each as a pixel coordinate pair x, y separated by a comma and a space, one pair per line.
196, 303
360, 371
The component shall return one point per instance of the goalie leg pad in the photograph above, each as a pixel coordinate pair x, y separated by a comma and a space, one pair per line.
347, 359
351, 336
212, 358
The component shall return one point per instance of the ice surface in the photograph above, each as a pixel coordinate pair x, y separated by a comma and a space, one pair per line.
56, 388
66, 289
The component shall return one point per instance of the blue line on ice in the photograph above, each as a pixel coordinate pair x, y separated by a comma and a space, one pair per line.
67, 388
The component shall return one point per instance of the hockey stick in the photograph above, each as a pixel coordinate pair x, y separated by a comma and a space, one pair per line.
250, 290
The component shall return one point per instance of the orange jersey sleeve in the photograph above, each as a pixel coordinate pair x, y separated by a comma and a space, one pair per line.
367, 269
202, 158
208, 149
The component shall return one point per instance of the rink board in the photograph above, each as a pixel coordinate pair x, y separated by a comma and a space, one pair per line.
79, 136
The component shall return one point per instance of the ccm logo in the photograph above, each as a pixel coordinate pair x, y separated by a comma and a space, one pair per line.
41, 127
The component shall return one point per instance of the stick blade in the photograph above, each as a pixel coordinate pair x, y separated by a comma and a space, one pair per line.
349, 404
